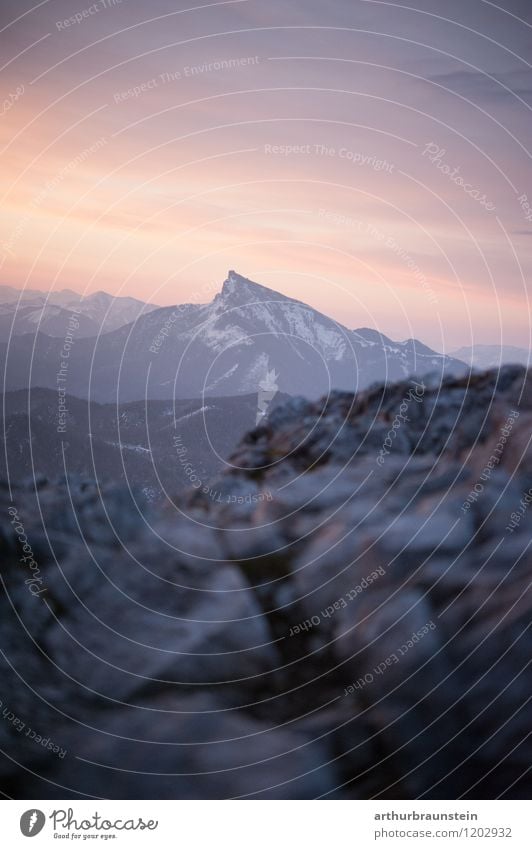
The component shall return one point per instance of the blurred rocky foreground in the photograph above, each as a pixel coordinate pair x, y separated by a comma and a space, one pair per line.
344, 613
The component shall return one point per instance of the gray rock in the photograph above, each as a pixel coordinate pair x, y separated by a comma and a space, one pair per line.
357, 629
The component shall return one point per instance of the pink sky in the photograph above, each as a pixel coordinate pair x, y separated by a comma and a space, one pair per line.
302, 162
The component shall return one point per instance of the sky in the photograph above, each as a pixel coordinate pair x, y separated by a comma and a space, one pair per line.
370, 158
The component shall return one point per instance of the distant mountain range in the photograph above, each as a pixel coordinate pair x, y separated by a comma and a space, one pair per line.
30, 310
493, 356
247, 334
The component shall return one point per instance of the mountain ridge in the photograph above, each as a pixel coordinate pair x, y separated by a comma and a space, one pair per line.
491, 356
225, 347
31, 310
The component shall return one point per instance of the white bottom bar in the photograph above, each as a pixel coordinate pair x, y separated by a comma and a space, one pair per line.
267, 825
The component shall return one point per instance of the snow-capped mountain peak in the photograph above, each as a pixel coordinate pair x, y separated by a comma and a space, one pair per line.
241, 290
247, 335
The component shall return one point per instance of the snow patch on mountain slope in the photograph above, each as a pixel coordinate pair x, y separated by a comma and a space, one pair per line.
194, 413
218, 338
139, 449
229, 373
